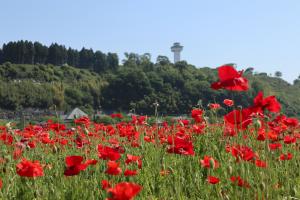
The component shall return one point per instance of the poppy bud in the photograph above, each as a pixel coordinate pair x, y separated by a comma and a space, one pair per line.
8, 125
230, 170
212, 163
262, 185
257, 123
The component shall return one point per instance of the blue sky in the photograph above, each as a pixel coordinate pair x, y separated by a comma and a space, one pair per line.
264, 34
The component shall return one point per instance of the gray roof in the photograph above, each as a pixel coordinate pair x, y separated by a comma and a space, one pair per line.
75, 113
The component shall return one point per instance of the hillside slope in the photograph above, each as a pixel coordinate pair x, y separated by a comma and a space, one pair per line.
134, 85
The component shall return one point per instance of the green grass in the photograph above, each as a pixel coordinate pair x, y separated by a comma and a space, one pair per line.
186, 180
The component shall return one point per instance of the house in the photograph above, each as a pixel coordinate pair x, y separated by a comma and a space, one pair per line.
74, 114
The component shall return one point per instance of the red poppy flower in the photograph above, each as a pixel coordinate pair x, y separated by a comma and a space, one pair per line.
140, 120
1, 184
228, 102
79, 142
116, 115
32, 144
129, 172
108, 153
214, 106
113, 168
272, 135
27, 168
269, 103
124, 191
198, 129
184, 122
213, 180
239, 181
56, 126
180, 146
275, 146
229, 131
239, 118
261, 136
17, 153
3, 128
197, 115
260, 163
243, 152
287, 156
230, 79
134, 159
289, 139
242, 118
292, 122
7, 138
74, 165
91, 162
209, 162
105, 184
83, 120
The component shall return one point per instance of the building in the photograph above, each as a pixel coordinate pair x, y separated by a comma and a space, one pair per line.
176, 48
74, 114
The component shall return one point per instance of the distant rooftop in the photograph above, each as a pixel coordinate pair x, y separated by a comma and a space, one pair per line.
176, 44
176, 47
75, 113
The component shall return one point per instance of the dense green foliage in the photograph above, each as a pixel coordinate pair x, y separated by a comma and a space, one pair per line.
47, 87
26, 52
135, 85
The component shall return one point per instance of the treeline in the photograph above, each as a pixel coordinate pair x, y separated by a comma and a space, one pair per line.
134, 85
27, 52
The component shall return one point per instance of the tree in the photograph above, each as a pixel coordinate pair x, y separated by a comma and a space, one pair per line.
112, 61
20, 49
73, 96
86, 58
145, 58
29, 52
41, 53
297, 81
73, 57
10, 53
132, 59
249, 70
1, 56
162, 60
278, 74
100, 62
130, 85
57, 55
181, 64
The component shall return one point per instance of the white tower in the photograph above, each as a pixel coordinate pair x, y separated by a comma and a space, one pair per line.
176, 48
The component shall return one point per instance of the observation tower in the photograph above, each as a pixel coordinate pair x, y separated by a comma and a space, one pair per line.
176, 48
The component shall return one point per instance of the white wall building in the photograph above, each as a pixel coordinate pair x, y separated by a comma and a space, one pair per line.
176, 48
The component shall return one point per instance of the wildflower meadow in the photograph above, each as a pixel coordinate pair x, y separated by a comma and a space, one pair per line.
249, 153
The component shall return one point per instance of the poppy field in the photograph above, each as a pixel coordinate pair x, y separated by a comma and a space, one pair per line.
249, 153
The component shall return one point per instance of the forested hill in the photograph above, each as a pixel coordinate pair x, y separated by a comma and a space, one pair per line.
34, 78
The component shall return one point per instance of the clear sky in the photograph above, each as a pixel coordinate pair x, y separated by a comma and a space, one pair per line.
264, 34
